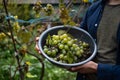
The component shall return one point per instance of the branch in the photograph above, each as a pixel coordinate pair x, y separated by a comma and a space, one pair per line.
12, 37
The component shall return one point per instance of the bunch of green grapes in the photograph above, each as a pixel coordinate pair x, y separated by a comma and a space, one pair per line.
2, 36
16, 26
49, 9
65, 48
64, 14
65, 17
38, 6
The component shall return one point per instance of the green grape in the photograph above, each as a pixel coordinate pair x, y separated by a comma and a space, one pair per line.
65, 35
61, 46
78, 53
63, 51
66, 47
85, 44
61, 37
69, 43
56, 37
55, 59
81, 51
74, 45
71, 48
70, 60
45, 50
49, 52
44, 46
61, 56
65, 40
49, 40
53, 52
55, 41
69, 38
77, 48
75, 40
65, 58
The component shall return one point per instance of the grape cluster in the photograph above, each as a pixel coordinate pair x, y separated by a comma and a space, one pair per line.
48, 9
37, 7
2, 36
65, 48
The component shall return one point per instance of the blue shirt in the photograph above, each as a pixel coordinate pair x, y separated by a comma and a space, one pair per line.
90, 23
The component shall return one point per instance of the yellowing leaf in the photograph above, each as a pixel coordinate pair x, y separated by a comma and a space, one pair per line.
29, 75
24, 35
28, 63
71, 23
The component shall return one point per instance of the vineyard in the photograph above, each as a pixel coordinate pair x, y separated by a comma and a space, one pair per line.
20, 24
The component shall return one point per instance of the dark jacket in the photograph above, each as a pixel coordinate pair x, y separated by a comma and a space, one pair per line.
90, 23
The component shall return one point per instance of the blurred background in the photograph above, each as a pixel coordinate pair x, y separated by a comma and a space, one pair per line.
21, 21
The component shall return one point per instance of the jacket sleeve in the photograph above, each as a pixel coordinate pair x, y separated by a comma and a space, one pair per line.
108, 72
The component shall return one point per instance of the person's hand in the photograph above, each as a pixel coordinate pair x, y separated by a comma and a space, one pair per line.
89, 67
36, 46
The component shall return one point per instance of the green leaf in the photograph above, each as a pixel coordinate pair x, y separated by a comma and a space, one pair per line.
29, 75
60, 32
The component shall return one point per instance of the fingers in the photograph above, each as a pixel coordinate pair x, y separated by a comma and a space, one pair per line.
75, 69
80, 69
36, 46
89, 67
70, 69
37, 38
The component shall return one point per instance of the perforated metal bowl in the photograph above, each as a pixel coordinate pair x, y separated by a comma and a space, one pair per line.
78, 33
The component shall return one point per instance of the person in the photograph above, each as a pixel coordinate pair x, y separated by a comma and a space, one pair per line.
102, 21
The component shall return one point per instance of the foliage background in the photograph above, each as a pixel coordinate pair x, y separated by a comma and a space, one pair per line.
31, 65
7, 59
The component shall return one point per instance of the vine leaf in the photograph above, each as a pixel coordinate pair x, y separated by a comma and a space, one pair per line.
24, 35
